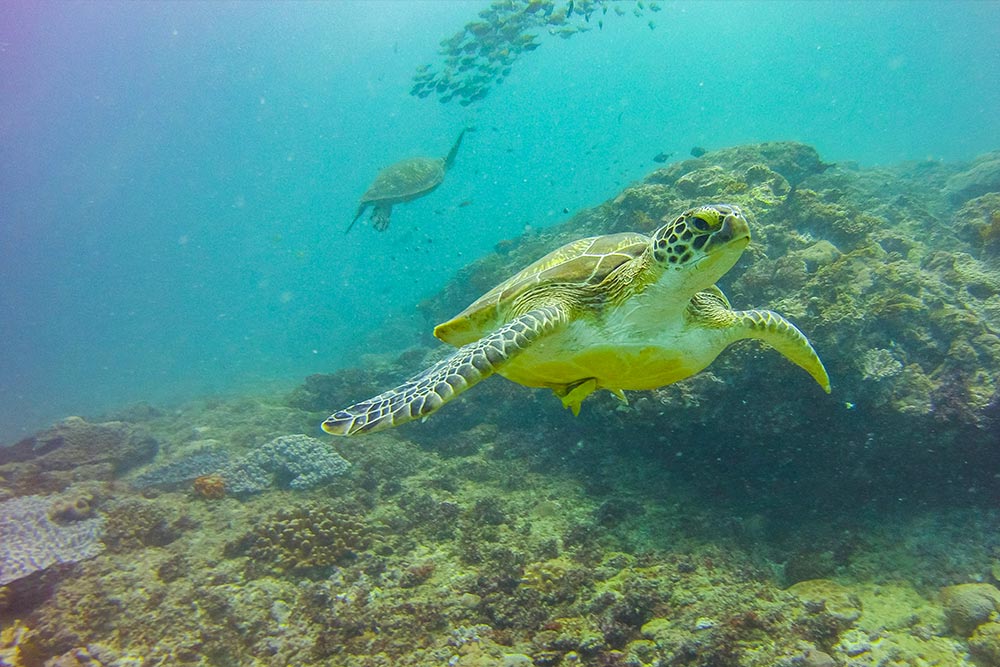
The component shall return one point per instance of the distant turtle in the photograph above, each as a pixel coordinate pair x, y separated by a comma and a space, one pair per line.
403, 181
623, 311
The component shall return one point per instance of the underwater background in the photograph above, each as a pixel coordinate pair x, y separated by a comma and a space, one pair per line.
181, 306
177, 176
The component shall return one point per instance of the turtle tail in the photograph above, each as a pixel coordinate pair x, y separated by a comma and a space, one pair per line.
361, 209
425, 392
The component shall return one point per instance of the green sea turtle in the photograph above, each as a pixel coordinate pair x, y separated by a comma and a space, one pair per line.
623, 311
403, 181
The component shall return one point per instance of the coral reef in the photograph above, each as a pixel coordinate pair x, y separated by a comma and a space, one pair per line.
304, 538
985, 643
289, 461
17, 647
982, 176
31, 539
967, 606
202, 461
211, 487
737, 519
73, 450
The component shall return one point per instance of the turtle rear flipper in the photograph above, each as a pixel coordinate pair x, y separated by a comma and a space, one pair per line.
424, 393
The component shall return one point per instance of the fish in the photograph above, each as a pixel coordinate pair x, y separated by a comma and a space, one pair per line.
662, 157
479, 28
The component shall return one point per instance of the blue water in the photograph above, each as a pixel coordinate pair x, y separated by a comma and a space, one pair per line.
176, 177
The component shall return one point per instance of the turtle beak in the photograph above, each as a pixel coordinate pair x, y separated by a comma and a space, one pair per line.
734, 230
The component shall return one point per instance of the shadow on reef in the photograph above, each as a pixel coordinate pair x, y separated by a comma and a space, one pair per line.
741, 518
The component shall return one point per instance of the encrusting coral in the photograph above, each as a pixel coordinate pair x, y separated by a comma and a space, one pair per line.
37, 532
289, 461
306, 538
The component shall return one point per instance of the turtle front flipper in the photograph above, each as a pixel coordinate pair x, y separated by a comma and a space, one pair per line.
783, 336
427, 391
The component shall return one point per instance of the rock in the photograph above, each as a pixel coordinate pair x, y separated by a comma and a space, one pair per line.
814, 658
767, 187
981, 177
978, 223
74, 442
967, 606
708, 182
819, 254
822, 596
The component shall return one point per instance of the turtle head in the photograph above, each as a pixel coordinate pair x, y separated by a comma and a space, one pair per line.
703, 243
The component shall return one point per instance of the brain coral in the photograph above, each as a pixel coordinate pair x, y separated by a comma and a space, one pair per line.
291, 461
969, 605
31, 541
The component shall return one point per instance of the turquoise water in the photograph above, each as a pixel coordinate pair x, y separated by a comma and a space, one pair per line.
177, 177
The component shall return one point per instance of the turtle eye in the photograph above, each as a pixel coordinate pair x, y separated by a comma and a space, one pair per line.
701, 224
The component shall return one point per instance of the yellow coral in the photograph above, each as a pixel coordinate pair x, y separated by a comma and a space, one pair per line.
970, 605
17, 647
990, 232
547, 576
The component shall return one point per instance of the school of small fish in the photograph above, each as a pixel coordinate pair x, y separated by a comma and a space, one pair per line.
483, 53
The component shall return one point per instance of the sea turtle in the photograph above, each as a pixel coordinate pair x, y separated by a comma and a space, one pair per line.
403, 181
623, 311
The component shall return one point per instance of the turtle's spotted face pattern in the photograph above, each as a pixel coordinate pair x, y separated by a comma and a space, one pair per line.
698, 233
